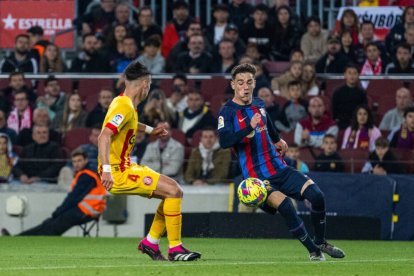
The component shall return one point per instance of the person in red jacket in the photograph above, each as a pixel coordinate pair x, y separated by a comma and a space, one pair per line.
176, 29
85, 202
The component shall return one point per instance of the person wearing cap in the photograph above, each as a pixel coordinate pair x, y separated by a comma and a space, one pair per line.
176, 29
239, 12
333, 62
231, 32
214, 32
36, 42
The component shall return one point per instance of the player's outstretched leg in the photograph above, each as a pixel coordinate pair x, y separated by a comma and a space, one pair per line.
318, 217
170, 190
295, 224
150, 244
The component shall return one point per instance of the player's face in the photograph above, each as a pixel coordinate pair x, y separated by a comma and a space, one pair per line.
243, 85
143, 86
79, 162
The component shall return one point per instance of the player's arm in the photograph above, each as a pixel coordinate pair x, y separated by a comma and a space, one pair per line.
280, 144
155, 131
104, 145
227, 136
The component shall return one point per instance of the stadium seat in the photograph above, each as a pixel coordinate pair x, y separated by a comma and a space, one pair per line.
166, 85
354, 159
330, 87
213, 86
405, 158
307, 156
87, 87
195, 141
281, 101
76, 137
383, 88
288, 137
178, 135
217, 101
276, 67
17, 149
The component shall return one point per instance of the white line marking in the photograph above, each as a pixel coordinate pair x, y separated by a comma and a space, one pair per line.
205, 263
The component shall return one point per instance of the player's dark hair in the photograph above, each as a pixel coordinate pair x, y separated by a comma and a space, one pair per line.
79, 152
354, 120
243, 68
328, 135
21, 35
135, 70
408, 110
294, 83
382, 142
50, 79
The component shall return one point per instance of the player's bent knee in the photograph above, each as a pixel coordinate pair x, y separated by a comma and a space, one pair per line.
315, 196
275, 199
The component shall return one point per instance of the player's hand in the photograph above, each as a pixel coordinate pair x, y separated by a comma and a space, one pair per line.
107, 180
281, 147
255, 120
159, 132
305, 135
378, 170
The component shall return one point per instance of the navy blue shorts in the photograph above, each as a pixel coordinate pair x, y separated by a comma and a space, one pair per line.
288, 181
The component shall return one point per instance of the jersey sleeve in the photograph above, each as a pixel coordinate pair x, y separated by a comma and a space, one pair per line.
227, 136
117, 117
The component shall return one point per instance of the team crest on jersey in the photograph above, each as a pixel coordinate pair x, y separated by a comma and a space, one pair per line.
132, 140
263, 111
148, 180
220, 122
117, 120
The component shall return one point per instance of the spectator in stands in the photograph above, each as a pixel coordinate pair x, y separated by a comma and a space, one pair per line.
367, 33
347, 46
362, 133
151, 57
272, 108
294, 109
310, 86
409, 38
382, 161
114, 48
72, 115
329, 160
130, 53
11, 133
280, 84
89, 60
182, 46
226, 59
252, 51
239, 11
231, 32
53, 99
37, 44
165, 155
313, 42
273, 12
122, 17
286, 36
403, 63
373, 65
214, 32
402, 137
41, 160
311, 130
21, 115
196, 116
85, 202
297, 55
347, 97
146, 27
261, 78
334, 61
16, 84
7, 158
177, 102
51, 61
96, 20
349, 22
208, 163
141, 142
395, 117
19, 60
40, 118
293, 159
97, 115
258, 31
196, 60
156, 109
175, 30
396, 35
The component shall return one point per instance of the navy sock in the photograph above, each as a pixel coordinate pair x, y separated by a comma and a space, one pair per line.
295, 225
318, 214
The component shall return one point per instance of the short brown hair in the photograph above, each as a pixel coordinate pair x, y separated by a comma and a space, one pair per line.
243, 68
382, 142
78, 152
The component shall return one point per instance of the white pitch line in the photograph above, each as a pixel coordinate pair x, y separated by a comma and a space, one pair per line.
201, 263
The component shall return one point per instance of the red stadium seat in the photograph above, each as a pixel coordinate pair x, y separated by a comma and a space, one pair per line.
383, 88
76, 137
307, 156
178, 135
167, 84
217, 101
405, 158
276, 67
88, 87
196, 139
354, 159
213, 86
331, 86
281, 101
288, 137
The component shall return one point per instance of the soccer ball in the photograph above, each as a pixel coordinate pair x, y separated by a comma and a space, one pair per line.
252, 192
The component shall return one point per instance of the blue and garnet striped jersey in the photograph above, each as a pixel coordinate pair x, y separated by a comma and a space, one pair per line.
255, 148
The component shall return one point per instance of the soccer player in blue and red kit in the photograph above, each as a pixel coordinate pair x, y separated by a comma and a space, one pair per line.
244, 125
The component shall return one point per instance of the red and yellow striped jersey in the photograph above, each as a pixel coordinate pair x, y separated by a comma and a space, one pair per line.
122, 119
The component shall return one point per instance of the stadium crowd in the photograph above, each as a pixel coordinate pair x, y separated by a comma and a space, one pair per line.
326, 123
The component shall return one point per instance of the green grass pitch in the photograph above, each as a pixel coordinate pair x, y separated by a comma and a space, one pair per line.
118, 256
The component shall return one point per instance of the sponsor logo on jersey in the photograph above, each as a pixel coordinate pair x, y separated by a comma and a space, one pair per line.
132, 140
263, 111
117, 120
220, 122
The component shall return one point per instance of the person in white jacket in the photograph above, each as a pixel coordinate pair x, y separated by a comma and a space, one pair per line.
165, 155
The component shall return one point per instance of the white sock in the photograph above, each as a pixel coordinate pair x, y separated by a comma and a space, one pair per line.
152, 240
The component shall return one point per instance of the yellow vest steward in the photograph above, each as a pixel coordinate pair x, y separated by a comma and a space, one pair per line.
94, 203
